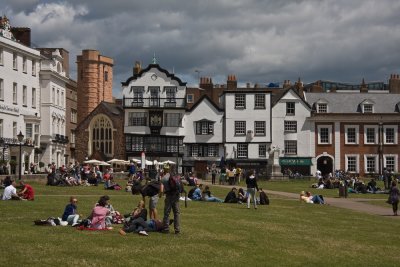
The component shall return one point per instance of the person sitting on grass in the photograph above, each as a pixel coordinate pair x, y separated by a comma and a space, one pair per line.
10, 192
231, 196
242, 195
70, 214
197, 193
99, 214
139, 211
207, 196
27, 191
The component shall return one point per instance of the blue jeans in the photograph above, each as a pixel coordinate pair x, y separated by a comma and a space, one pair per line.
317, 199
73, 219
251, 195
213, 199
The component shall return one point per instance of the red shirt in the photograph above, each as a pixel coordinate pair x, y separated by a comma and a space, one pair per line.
29, 193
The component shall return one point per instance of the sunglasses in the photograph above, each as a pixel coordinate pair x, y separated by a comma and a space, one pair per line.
74, 201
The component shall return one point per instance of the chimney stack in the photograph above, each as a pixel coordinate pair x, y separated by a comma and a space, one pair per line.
137, 68
231, 83
394, 84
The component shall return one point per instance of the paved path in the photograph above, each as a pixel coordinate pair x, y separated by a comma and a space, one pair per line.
355, 204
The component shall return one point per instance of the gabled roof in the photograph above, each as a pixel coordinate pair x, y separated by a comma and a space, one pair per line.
140, 74
278, 96
201, 99
109, 109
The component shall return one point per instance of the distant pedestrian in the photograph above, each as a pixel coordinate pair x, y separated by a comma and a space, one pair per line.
252, 186
171, 202
394, 197
213, 173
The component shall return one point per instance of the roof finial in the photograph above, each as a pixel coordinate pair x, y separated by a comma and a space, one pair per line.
154, 61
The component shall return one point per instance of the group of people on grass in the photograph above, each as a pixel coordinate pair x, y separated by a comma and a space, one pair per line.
25, 191
103, 214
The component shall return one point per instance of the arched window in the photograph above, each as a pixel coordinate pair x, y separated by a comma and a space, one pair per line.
101, 138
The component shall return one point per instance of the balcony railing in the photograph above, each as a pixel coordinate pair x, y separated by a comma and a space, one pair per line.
62, 139
155, 102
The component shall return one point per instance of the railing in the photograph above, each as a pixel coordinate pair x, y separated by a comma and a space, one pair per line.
62, 139
15, 142
154, 102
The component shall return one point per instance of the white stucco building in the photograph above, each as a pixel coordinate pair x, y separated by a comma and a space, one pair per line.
53, 82
247, 127
204, 135
19, 98
291, 132
154, 101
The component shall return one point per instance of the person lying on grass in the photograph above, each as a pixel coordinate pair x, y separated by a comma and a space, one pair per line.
207, 196
141, 226
310, 199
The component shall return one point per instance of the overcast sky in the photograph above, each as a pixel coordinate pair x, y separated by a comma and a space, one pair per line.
259, 41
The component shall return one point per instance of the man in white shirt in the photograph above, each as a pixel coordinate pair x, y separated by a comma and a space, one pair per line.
10, 192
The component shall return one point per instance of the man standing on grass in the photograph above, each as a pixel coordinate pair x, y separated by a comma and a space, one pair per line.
171, 202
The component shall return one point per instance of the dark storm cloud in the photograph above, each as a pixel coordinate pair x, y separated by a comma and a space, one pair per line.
259, 41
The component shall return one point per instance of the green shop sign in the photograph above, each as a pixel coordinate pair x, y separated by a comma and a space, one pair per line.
295, 161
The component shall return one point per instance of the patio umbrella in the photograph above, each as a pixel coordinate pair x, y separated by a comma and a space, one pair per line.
168, 162
117, 161
93, 161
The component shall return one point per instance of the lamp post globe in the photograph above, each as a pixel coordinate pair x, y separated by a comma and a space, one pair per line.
20, 137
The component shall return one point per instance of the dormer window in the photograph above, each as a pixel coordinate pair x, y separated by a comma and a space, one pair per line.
368, 108
322, 108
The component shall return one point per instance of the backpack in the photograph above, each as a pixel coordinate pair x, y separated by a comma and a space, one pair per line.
175, 184
150, 189
190, 194
264, 200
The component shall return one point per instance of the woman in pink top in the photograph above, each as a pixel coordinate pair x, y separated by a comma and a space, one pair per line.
99, 214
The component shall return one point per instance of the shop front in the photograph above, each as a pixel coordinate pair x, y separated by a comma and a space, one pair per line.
301, 165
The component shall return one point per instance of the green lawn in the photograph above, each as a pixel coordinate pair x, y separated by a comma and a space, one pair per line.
286, 233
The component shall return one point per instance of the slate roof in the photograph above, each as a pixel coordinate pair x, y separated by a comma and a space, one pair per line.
350, 102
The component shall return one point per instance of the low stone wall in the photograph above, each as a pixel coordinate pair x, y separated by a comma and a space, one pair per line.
42, 177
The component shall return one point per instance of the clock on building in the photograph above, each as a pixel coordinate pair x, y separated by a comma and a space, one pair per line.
155, 120
154, 77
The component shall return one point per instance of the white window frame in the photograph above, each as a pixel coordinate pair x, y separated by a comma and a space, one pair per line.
395, 129
137, 119
240, 101
33, 67
238, 125
15, 93
15, 61
24, 65
259, 101
329, 134
242, 151
1, 89
33, 97
376, 128
260, 130
290, 126
357, 132
24, 95
189, 98
322, 108
366, 163
357, 156
364, 106
1, 56
288, 147
395, 156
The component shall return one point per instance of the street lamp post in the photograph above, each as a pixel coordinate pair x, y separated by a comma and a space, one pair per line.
20, 137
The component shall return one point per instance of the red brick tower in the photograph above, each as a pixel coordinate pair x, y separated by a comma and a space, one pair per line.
94, 83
